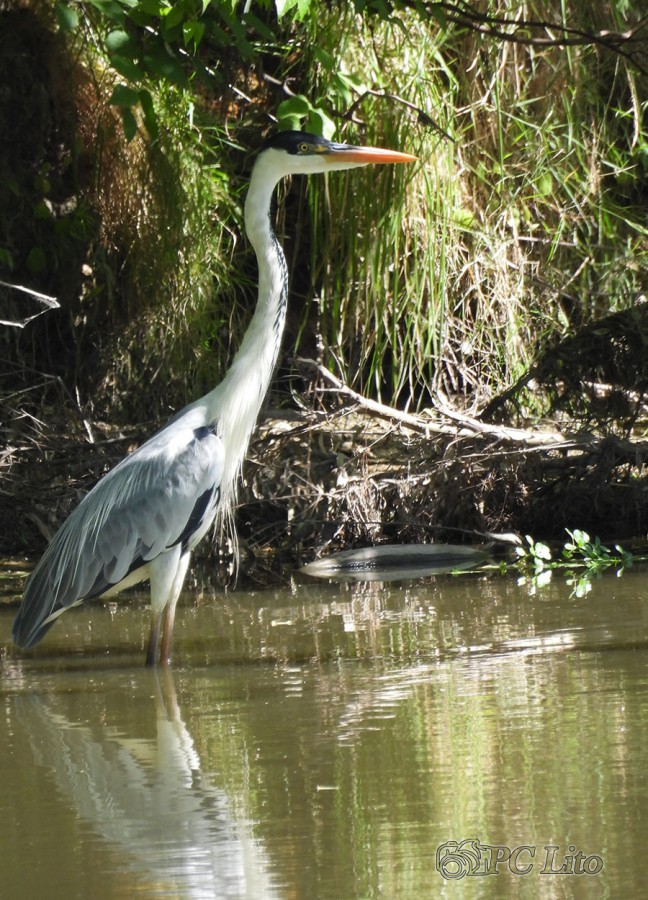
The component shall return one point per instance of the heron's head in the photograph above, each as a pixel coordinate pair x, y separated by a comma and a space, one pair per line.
300, 153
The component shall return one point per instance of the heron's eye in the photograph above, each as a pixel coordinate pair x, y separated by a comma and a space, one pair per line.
304, 148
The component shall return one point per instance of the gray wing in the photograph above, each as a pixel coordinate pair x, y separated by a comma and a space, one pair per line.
159, 496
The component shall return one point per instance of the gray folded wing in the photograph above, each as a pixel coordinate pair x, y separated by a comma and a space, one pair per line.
157, 497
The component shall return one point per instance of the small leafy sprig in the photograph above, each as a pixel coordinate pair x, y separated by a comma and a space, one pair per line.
593, 554
579, 552
536, 554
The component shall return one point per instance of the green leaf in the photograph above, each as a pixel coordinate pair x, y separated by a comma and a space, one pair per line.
436, 12
352, 82
42, 210
129, 122
161, 64
295, 106
289, 123
110, 9
544, 184
260, 27
284, 6
124, 96
193, 32
340, 89
120, 42
319, 123
173, 16
150, 116
67, 18
238, 29
291, 112
325, 59
126, 67
155, 8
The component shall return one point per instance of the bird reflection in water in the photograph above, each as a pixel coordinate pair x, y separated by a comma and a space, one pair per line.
149, 797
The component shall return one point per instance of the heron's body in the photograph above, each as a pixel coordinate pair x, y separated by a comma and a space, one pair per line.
143, 519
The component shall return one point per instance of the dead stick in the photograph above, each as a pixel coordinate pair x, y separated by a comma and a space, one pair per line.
468, 425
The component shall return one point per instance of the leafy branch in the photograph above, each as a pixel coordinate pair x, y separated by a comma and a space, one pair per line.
150, 42
535, 559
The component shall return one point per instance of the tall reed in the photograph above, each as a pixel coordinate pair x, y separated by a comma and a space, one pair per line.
525, 225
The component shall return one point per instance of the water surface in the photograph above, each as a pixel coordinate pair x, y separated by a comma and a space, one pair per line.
333, 741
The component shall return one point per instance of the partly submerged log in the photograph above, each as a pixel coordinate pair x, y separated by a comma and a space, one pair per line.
392, 562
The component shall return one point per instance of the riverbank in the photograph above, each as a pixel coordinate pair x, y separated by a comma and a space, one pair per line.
335, 471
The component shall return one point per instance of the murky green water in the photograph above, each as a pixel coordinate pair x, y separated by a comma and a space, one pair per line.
330, 741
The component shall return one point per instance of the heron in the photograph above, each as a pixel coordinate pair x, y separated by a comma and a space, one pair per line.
142, 520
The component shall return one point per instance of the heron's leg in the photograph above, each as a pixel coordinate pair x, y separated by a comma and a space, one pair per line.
162, 572
154, 634
167, 635
168, 617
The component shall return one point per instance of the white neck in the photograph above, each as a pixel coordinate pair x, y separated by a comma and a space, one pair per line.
235, 404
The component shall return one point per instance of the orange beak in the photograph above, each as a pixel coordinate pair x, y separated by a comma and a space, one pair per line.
365, 155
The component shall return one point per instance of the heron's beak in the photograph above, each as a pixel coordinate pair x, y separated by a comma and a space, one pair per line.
365, 155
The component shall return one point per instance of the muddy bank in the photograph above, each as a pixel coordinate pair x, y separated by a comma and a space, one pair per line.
340, 472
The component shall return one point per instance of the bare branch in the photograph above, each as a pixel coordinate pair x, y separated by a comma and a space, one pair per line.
20, 321
626, 43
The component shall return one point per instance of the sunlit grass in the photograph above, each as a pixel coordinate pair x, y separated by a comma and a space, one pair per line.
523, 220
525, 225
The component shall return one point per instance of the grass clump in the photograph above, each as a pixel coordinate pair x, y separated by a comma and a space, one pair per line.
133, 235
170, 316
524, 225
